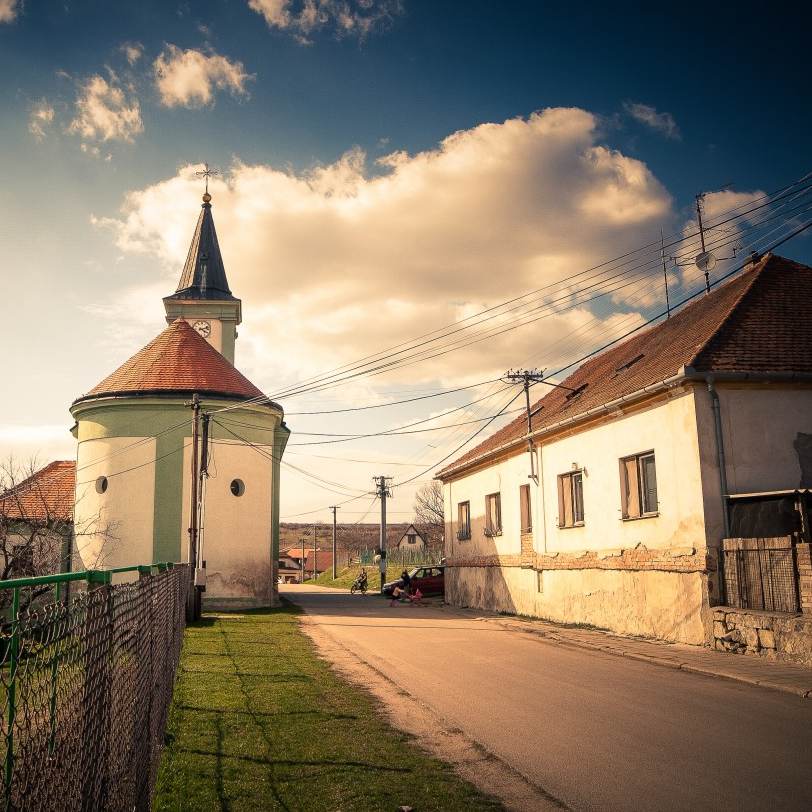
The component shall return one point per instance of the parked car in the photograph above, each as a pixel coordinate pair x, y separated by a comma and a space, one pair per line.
429, 580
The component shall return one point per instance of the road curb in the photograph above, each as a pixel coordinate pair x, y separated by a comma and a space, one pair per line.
799, 684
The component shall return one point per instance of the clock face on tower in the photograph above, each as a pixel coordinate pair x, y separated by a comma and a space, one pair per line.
202, 327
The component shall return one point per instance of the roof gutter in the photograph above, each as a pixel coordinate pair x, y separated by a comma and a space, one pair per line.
685, 374
129, 394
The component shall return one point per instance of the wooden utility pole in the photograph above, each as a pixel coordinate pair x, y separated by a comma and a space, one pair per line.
526, 376
302, 539
191, 599
315, 554
334, 508
382, 491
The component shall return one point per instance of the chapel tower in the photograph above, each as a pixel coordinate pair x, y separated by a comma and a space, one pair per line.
203, 298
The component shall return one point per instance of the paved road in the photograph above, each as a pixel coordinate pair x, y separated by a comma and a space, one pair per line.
596, 731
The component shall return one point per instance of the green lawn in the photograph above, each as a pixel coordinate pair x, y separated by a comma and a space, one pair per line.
258, 722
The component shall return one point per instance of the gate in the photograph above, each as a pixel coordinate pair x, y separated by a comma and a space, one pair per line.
760, 573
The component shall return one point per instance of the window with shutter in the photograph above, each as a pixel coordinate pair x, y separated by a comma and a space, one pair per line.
524, 507
571, 499
464, 520
493, 514
638, 486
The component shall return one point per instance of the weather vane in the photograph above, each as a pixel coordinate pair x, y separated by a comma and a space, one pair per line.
207, 173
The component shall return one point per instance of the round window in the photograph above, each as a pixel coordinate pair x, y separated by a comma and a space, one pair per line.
237, 487
101, 484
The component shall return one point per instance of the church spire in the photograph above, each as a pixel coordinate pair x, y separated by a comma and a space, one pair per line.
203, 297
204, 274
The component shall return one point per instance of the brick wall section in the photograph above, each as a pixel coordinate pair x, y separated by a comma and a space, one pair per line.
804, 559
636, 559
528, 555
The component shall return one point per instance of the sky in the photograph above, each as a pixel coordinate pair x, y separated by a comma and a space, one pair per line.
386, 169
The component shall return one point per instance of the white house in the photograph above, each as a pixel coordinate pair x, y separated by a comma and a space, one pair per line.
611, 508
412, 539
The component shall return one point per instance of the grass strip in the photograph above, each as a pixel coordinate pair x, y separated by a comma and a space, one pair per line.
259, 722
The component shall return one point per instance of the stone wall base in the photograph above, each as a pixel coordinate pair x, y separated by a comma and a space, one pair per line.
773, 635
660, 605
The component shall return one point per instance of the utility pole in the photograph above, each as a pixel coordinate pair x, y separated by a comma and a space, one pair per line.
526, 376
382, 490
191, 598
302, 539
315, 554
334, 508
203, 475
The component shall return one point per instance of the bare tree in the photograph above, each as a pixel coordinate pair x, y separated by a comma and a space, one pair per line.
428, 509
37, 532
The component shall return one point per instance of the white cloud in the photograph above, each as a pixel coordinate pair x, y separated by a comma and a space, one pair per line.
41, 118
190, 78
356, 18
9, 10
661, 122
105, 113
132, 52
358, 260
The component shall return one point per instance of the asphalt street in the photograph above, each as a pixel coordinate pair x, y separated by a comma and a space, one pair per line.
597, 732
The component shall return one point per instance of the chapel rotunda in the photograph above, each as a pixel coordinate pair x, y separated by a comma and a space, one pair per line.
134, 459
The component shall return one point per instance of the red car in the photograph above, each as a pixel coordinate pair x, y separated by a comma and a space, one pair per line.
429, 580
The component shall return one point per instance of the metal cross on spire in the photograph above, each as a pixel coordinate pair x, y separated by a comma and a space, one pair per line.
207, 173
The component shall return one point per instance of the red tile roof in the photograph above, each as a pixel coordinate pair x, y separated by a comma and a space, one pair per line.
178, 361
46, 495
324, 558
758, 323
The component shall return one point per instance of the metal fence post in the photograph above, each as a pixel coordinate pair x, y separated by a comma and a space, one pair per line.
12, 693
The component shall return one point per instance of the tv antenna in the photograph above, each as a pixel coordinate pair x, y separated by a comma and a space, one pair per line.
705, 260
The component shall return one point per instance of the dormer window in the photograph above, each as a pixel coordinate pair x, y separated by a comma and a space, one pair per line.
629, 364
576, 392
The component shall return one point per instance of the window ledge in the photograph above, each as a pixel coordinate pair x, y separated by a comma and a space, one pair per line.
572, 526
638, 518
492, 533
463, 537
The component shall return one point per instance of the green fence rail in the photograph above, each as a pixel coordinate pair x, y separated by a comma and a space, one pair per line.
85, 683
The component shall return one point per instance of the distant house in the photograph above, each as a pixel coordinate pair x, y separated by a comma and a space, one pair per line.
412, 539
36, 522
292, 559
613, 508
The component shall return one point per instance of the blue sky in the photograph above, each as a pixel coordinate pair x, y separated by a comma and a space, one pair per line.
386, 168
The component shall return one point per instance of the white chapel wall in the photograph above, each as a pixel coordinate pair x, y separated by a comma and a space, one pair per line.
236, 529
115, 529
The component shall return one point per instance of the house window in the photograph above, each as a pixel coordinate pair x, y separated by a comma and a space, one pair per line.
493, 514
638, 486
464, 520
411, 538
524, 508
571, 499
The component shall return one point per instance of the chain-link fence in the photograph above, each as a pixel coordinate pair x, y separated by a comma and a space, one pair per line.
85, 684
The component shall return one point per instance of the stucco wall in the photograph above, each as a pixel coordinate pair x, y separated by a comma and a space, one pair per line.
668, 429
663, 605
236, 530
143, 446
114, 528
761, 434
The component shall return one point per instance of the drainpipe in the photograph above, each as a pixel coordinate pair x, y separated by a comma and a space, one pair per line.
720, 449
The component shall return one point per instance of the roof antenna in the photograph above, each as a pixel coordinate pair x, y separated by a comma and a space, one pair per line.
705, 261
665, 274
